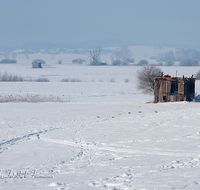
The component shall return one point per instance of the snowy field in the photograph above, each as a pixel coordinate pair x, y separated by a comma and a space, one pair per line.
104, 135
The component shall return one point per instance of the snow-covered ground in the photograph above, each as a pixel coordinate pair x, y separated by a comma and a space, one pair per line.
105, 135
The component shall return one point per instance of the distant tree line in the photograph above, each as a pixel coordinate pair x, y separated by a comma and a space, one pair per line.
190, 57
189, 62
178, 55
165, 56
7, 61
121, 56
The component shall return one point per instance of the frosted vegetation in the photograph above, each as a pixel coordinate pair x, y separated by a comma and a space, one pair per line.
30, 98
189, 57
5, 77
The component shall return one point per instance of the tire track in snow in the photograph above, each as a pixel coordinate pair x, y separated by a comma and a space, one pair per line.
109, 148
189, 136
16, 140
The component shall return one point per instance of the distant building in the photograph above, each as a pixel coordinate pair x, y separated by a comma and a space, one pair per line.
102, 62
36, 64
171, 89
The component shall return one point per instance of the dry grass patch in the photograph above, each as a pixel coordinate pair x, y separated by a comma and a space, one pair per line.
31, 98
71, 80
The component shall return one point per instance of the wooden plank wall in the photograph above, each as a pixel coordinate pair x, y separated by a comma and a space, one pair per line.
162, 89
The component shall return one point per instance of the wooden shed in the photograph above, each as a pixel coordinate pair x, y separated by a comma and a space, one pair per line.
36, 64
172, 89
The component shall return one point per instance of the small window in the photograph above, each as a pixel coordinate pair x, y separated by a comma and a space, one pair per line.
164, 98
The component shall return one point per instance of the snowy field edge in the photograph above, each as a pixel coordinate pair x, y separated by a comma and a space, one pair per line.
104, 136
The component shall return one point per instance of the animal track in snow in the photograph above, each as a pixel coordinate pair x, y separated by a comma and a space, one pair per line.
194, 162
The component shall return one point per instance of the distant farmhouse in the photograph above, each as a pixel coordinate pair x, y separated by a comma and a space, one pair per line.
36, 64
102, 62
172, 89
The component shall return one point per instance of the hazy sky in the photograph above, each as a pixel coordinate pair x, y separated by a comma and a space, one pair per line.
139, 21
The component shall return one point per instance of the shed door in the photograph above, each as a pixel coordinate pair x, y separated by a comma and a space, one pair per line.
174, 88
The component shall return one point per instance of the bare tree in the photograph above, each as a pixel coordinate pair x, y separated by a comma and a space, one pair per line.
145, 81
198, 75
94, 55
121, 56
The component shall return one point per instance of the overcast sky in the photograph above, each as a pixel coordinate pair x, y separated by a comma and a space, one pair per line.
138, 21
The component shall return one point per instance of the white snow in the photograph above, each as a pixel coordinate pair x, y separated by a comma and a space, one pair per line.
104, 136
